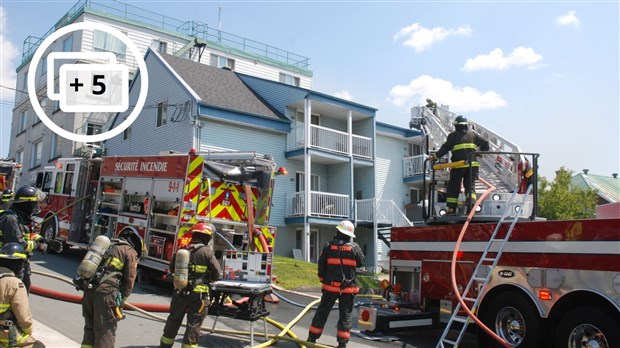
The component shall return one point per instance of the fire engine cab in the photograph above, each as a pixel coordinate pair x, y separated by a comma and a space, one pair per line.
531, 282
159, 198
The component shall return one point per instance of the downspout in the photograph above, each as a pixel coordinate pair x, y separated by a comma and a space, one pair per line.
307, 177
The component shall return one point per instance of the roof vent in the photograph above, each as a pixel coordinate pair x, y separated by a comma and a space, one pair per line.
615, 175
227, 68
585, 171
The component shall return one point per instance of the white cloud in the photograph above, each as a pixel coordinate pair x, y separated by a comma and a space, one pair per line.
568, 19
520, 56
8, 52
346, 95
421, 38
462, 99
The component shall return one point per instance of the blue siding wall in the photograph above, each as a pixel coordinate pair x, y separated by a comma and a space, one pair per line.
337, 124
363, 180
339, 178
364, 128
278, 95
389, 172
146, 138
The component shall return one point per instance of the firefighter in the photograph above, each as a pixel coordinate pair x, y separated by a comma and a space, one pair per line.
462, 142
337, 271
15, 224
108, 290
7, 196
15, 315
193, 298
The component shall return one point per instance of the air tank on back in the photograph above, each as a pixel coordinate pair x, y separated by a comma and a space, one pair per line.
94, 256
181, 269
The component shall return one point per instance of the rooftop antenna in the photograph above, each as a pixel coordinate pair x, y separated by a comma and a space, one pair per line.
219, 17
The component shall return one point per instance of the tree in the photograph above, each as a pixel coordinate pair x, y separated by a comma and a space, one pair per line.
557, 200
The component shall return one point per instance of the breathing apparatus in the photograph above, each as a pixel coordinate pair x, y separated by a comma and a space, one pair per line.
90, 268
181, 270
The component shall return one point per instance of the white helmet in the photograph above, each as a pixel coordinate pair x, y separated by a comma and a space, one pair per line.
346, 227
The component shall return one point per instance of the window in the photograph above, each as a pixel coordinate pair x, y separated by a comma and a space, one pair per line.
162, 46
289, 79
58, 182
104, 42
222, 62
47, 182
162, 114
23, 120
414, 149
19, 157
35, 159
67, 187
25, 82
94, 128
44, 66
300, 183
67, 44
127, 133
55, 146
314, 118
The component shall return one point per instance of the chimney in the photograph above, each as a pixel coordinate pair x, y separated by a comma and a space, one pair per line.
585, 171
615, 175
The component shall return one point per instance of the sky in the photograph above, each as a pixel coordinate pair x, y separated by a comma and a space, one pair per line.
544, 75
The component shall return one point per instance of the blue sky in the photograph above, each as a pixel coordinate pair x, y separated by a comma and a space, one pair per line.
544, 75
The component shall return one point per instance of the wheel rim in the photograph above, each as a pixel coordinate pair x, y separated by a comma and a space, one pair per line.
510, 325
587, 336
49, 232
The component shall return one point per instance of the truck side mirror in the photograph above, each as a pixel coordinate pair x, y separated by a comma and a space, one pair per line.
39, 182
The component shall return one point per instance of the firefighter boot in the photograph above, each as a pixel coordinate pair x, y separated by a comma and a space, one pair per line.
311, 339
341, 345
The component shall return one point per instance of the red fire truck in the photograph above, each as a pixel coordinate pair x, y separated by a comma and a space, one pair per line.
159, 198
533, 283
9, 174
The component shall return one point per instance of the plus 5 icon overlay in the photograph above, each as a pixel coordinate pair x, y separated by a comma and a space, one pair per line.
98, 83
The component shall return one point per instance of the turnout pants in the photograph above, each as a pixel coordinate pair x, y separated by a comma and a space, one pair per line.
345, 305
99, 319
195, 305
458, 175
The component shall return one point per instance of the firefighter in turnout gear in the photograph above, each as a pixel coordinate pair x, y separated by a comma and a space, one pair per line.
337, 268
15, 315
7, 196
106, 293
15, 225
203, 268
462, 142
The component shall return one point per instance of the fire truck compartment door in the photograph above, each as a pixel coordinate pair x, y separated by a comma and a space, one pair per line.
167, 189
138, 186
436, 279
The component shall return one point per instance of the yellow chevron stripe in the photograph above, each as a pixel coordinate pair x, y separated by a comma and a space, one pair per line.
195, 163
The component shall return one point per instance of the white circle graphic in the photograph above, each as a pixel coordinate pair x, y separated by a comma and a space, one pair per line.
144, 79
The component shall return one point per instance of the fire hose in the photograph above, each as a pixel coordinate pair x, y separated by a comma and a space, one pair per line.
146, 310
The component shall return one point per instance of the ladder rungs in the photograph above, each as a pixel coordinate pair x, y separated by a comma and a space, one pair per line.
497, 240
488, 259
460, 319
470, 299
454, 343
480, 279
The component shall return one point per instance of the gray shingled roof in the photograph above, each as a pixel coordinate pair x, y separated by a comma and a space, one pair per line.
607, 187
219, 87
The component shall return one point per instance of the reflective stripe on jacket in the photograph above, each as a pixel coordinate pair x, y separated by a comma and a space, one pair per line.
332, 272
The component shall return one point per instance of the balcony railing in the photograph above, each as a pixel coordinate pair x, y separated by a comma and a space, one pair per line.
332, 140
413, 165
322, 204
381, 211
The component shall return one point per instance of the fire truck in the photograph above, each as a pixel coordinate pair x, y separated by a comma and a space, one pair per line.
159, 198
530, 282
9, 174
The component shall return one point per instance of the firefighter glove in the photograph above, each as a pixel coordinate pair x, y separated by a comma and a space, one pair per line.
432, 157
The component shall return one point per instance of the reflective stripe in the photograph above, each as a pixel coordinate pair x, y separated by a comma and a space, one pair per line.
117, 263
201, 288
199, 268
4, 307
30, 246
473, 164
464, 146
342, 247
86, 346
315, 330
336, 261
166, 340
349, 290
344, 334
452, 200
184, 345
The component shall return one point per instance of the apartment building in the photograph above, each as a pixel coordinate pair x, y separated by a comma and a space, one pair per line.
33, 145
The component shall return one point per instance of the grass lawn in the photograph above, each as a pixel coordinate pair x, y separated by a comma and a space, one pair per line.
293, 274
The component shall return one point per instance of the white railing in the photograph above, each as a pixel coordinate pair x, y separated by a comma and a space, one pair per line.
329, 139
322, 204
381, 211
362, 146
413, 165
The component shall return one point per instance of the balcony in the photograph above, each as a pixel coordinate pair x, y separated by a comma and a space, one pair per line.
413, 166
334, 141
384, 212
323, 204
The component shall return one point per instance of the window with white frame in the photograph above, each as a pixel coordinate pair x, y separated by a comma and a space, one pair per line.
23, 121
162, 113
35, 158
19, 157
127, 133
300, 183
289, 79
105, 42
314, 118
222, 62
67, 44
55, 146
161, 46
414, 149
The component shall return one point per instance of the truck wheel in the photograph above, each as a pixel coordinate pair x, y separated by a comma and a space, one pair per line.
512, 317
588, 326
48, 230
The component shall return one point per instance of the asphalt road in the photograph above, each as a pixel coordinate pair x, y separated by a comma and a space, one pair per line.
139, 331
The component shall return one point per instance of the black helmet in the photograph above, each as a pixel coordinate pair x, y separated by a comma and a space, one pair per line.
460, 120
7, 195
13, 256
26, 200
133, 239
